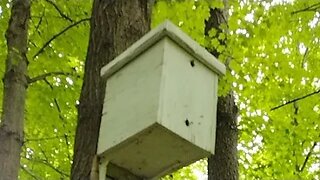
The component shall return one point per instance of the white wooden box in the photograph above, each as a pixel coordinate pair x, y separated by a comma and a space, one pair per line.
160, 107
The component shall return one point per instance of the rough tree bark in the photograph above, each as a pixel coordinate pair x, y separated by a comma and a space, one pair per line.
15, 85
115, 25
224, 164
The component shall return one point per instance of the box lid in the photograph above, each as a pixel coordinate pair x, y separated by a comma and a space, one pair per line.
166, 29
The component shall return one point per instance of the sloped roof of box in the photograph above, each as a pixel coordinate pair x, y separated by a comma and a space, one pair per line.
167, 29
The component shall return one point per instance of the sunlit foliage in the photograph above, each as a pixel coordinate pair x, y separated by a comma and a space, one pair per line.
272, 54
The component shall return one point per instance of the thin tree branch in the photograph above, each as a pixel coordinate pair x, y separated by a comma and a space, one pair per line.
55, 100
294, 122
58, 109
58, 106
47, 82
307, 157
32, 43
28, 171
296, 110
46, 163
48, 138
44, 153
54, 168
59, 34
63, 119
44, 76
59, 11
294, 100
305, 57
40, 21
313, 7
66, 137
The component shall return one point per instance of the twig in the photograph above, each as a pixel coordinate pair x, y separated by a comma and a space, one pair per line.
307, 157
29, 172
66, 137
47, 82
59, 34
48, 138
296, 110
59, 11
294, 100
32, 43
55, 100
313, 7
44, 153
46, 162
44, 76
58, 106
54, 168
40, 21
304, 56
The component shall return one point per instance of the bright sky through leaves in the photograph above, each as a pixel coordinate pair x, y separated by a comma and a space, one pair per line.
273, 52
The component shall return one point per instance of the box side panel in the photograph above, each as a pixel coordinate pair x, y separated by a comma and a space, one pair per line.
214, 109
131, 101
188, 97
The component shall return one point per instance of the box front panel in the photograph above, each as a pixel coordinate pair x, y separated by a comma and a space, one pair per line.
188, 97
132, 98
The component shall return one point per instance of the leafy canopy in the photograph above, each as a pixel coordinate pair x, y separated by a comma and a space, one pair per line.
272, 54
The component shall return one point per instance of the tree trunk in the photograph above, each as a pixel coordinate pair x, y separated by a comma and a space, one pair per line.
15, 85
115, 25
223, 165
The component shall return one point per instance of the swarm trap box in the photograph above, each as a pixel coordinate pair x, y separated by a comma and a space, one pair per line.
160, 105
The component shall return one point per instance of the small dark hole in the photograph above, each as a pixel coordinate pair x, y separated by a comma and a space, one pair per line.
192, 63
187, 122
